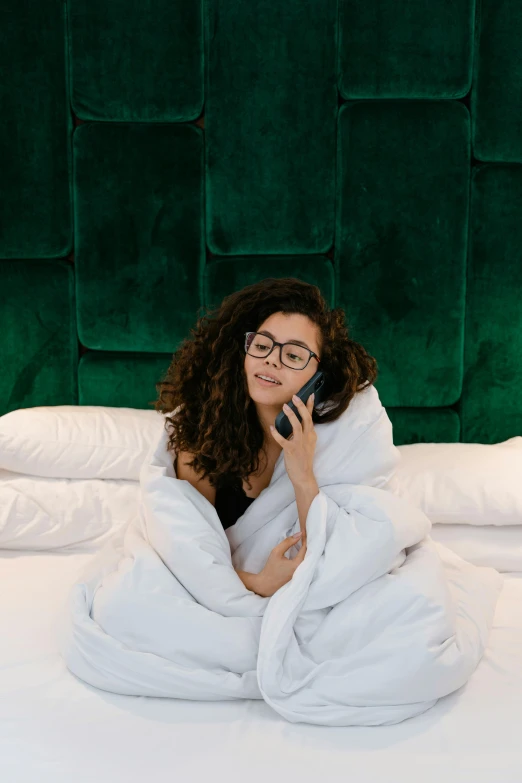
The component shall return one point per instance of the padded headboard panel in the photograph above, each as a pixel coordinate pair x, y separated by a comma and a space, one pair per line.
156, 156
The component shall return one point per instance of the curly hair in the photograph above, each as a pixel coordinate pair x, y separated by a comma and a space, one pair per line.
205, 388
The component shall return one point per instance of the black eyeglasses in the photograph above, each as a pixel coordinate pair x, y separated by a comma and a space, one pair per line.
261, 346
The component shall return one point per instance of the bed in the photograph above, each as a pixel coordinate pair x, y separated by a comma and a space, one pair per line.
54, 727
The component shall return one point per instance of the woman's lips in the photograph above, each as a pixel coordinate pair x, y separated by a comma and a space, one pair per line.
266, 383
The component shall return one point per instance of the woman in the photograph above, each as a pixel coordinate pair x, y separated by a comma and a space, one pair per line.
376, 624
222, 439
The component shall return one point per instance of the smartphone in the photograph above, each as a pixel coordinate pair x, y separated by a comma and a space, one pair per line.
317, 385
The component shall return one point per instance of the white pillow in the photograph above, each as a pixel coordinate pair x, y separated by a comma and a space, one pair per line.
463, 483
491, 546
38, 513
78, 441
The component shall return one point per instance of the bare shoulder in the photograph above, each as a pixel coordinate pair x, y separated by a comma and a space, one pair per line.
184, 471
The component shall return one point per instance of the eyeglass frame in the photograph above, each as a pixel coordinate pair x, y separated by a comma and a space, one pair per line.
281, 345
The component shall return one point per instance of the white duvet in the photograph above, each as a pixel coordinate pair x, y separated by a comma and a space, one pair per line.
376, 625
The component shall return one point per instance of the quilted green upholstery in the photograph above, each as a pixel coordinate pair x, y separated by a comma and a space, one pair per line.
156, 156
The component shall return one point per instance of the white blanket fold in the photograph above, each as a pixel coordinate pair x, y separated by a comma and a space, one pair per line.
376, 624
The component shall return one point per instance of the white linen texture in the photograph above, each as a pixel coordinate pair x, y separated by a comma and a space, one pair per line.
375, 626
63, 514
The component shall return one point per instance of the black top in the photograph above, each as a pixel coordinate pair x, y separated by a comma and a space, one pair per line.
231, 502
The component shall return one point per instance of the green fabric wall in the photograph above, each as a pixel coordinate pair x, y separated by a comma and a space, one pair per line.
157, 155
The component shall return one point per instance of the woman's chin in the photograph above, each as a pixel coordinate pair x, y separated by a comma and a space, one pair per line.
268, 399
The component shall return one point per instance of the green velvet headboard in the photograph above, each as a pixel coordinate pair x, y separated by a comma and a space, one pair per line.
156, 156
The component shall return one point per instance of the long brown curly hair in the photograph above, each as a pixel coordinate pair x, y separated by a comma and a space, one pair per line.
217, 421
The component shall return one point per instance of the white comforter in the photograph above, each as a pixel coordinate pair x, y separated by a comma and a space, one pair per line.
376, 625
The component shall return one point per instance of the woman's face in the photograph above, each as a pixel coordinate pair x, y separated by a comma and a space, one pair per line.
283, 328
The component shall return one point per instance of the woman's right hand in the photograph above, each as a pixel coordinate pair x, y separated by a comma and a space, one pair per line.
279, 569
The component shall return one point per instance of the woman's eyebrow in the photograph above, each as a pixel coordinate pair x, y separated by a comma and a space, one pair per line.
298, 342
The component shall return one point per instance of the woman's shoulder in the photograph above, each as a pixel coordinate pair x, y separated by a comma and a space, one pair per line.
187, 473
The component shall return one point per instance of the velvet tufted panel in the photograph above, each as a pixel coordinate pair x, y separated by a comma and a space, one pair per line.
157, 155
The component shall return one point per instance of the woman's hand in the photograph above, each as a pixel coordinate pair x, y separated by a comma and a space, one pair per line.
279, 569
299, 448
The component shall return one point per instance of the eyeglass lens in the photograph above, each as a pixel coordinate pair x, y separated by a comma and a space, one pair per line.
292, 355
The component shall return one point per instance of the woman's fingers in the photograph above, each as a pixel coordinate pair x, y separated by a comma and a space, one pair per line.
305, 410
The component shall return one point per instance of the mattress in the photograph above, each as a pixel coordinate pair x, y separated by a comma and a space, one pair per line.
56, 729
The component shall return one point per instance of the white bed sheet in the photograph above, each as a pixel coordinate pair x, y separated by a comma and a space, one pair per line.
56, 729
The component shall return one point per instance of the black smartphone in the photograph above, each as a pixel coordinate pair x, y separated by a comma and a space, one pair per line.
317, 385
